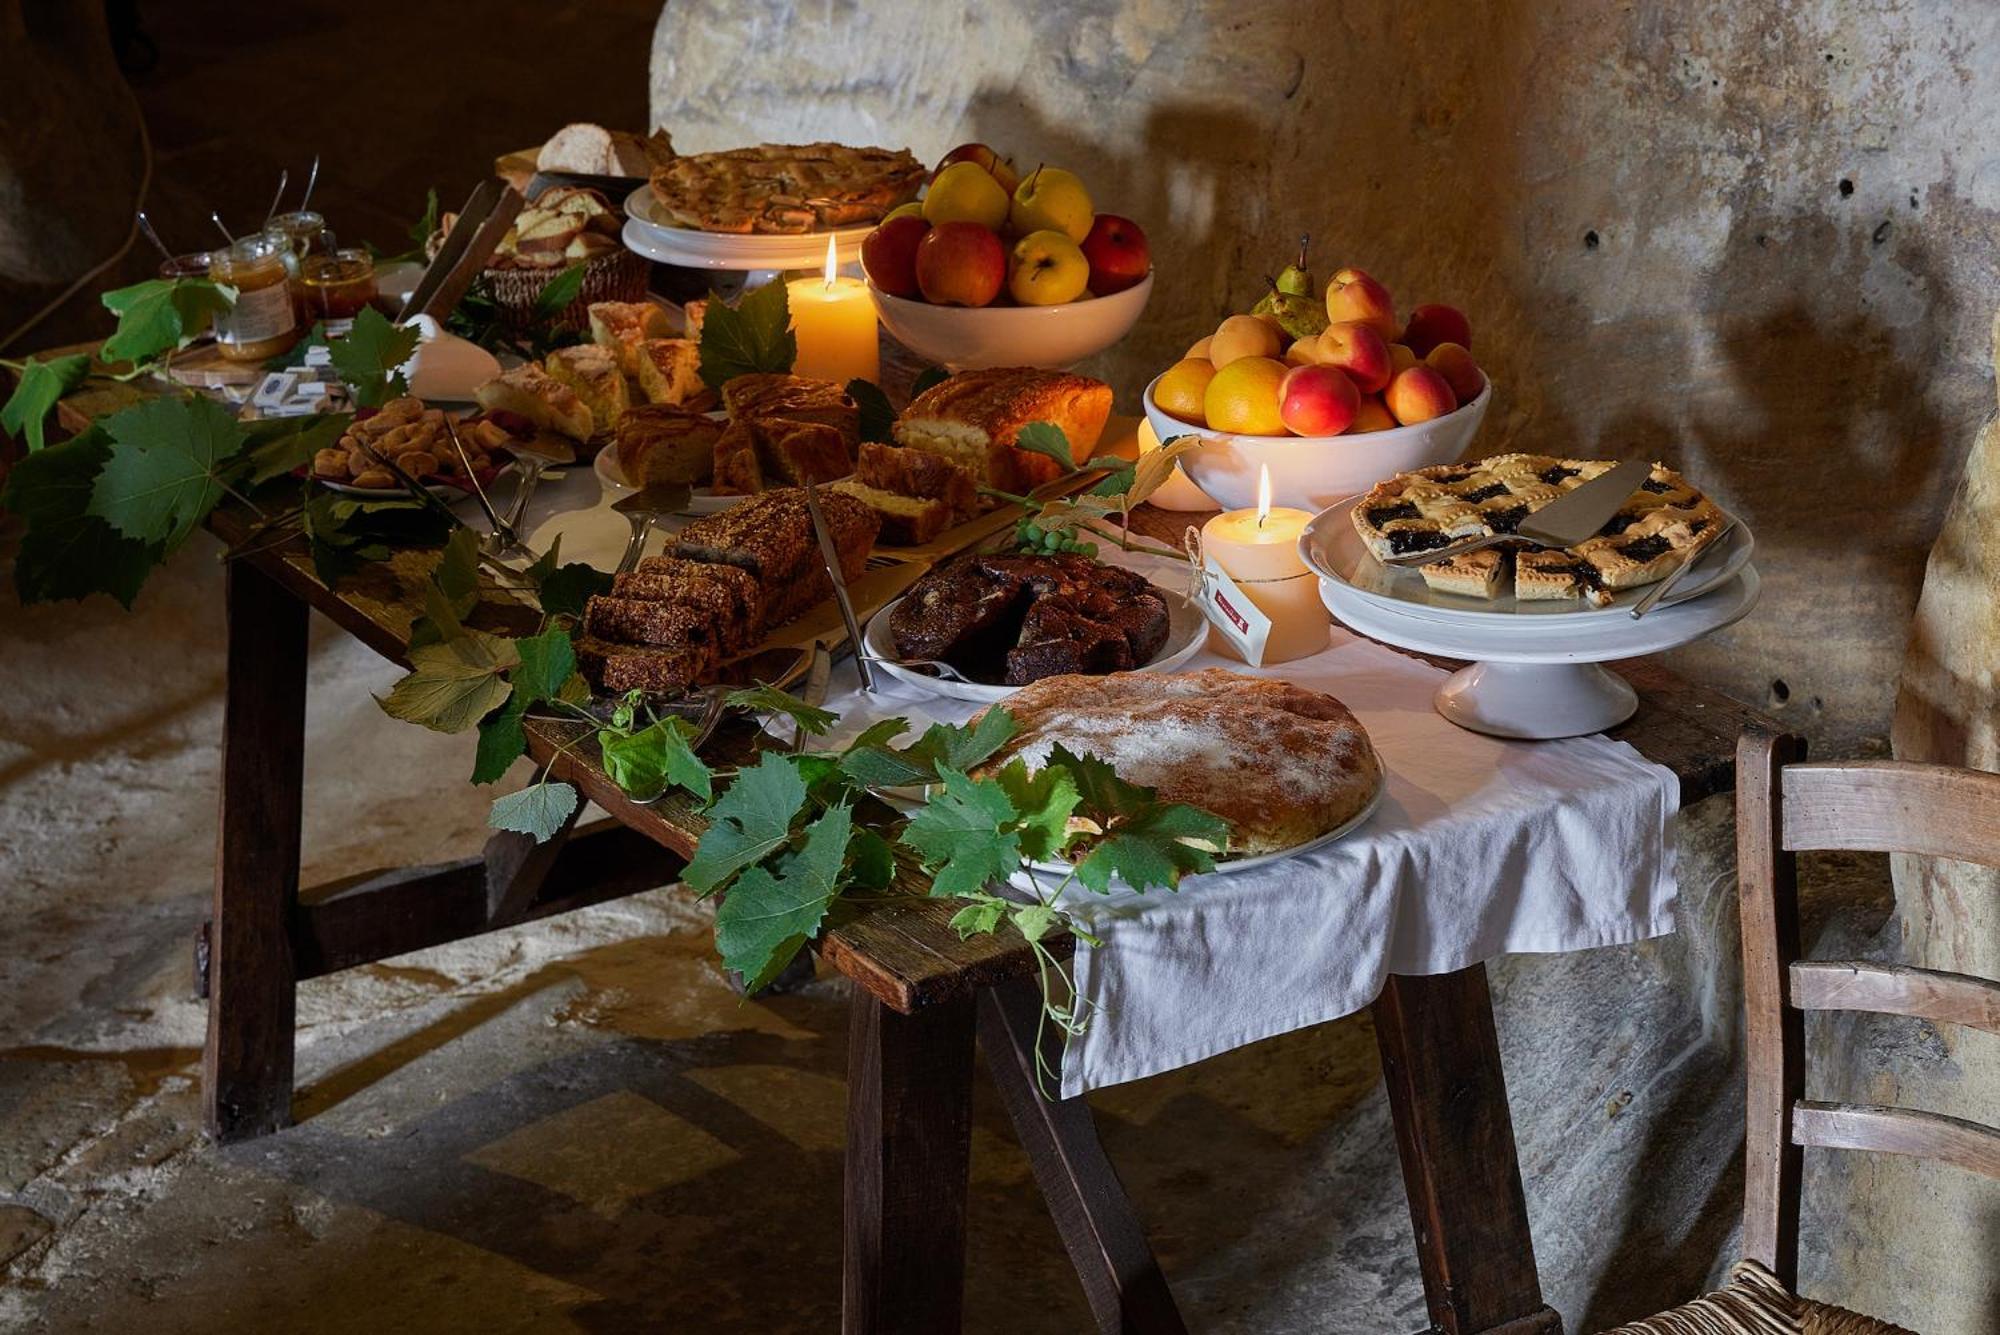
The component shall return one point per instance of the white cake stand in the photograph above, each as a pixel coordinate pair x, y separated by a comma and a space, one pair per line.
1543, 680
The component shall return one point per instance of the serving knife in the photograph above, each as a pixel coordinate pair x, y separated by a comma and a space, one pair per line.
531, 456
640, 509
1571, 518
1659, 590
830, 555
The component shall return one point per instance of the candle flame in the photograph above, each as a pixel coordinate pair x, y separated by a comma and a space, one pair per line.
832, 264
1263, 494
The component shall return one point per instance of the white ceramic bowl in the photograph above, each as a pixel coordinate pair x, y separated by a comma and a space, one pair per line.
1312, 472
967, 338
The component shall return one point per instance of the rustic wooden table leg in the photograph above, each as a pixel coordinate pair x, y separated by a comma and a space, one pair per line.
246, 1068
909, 1142
1441, 1063
1128, 1295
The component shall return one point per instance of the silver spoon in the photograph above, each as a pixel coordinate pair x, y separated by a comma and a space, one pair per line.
937, 665
312, 179
284, 179
216, 217
146, 228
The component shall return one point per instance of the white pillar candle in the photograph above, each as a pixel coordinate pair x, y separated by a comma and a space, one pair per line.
1260, 550
834, 322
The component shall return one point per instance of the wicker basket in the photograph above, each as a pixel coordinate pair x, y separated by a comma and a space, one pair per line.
618, 276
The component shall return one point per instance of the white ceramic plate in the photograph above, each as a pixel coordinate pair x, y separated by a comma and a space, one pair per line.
444, 491
1332, 548
702, 501
1187, 631
650, 232
1231, 866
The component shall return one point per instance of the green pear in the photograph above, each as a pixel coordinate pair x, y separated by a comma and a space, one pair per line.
1296, 280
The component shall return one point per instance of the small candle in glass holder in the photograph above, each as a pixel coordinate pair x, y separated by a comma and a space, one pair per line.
1178, 492
1259, 549
833, 319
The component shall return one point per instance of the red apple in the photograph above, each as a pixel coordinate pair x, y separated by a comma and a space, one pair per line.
961, 264
1360, 350
1118, 254
1317, 401
889, 255
1432, 325
1002, 169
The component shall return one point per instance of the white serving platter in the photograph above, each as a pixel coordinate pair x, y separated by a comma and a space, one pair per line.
1187, 632
1332, 549
650, 232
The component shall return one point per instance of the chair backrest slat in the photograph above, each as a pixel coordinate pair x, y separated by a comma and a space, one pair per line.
1894, 806
1897, 989
1925, 1135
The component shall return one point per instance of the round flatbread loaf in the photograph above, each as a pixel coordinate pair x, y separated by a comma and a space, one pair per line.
1280, 763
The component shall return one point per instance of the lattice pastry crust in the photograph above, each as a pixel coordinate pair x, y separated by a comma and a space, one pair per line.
786, 188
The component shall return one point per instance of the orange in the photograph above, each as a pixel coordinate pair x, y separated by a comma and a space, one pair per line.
1182, 387
1243, 397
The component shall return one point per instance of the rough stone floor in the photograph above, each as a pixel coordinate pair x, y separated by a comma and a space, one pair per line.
576, 1126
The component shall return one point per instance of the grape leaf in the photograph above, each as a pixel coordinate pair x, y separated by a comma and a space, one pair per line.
545, 564
457, 574
1034, 921
278, 445
765, 918
560, 291
878, 415
161, 314
547, 663
771, 700
753, 335
40, 385
657, 757
1150, 847
1044, 800
1154, 467
749, 822
876, 765
502, 741
368, 357
871, 862
927, 378
539, 810
451, 686
68, 552
567, 588
964, 834
341, 532
983, 915
163, 476
880, 733
1046, 438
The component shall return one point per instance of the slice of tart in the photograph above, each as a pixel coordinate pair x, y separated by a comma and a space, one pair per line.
529, 391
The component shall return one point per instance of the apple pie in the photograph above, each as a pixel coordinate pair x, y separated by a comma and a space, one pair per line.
786, 189
1661, 524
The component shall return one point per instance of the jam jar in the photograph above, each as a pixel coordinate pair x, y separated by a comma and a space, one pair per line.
303, 233
262, 323
333, 288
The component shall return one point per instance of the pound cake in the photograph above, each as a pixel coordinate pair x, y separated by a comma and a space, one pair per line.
973, 419
1281, 764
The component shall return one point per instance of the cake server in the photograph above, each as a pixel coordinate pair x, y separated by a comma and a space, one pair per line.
640, 509
830, 554
1659, 590
1564, 522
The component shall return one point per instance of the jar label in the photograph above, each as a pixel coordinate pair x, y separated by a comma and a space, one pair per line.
257, 315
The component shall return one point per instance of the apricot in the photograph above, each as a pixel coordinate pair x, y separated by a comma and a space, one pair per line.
1243, 336
1419, 395
1357, 348
1317, 401
1455, 364
1400, 357
1352, 295
1199, 348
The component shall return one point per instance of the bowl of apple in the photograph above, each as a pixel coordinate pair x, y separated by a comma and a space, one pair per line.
1330, 392
993, 268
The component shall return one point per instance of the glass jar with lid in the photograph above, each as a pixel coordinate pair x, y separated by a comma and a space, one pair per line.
262, 323
334, 287
303, 233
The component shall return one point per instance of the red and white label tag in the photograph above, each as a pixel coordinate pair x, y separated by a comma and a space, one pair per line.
1234, 616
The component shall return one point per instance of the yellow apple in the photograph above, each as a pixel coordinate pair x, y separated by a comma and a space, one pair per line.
966, 192
913, 209
1051, 199
1046, 269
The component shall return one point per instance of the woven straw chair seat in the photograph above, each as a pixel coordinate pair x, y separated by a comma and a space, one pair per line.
1755, 1303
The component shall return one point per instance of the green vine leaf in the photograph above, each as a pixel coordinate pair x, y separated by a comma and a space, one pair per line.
548, 661
1154, 467
966, 834
277, 446
164, 473
874, 764
561, 290
1143, 841
452, 685
766, 919
368, 357
539, 810
982, 917
878, 415
67, 552
928, 378
1044, 800
753, 336
657, 757
566, 589
748, 823
502, 741
771, 700
1046, 438
161, 314
40, 385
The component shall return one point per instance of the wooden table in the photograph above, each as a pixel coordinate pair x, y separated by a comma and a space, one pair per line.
922, 999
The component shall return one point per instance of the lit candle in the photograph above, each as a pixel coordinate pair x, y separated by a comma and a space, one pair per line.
834, 322
1179, 491
1259, 549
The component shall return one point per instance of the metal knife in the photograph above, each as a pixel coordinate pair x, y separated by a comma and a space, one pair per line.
1564, 522
830, 554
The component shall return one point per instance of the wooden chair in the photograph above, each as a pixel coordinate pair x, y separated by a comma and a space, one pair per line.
1782, 806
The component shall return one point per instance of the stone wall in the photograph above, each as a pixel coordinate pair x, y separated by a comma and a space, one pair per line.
1757, 241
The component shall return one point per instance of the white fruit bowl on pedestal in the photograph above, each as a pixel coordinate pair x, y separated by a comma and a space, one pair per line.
970, 338
1313, 472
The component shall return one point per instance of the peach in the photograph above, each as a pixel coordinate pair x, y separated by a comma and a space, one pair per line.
1455, 364
1371, 416
1359, 350
1317, 401
1353, 295
961, 264
1243, 336
1432, 325
1418, 395
1401, 358
1200, 347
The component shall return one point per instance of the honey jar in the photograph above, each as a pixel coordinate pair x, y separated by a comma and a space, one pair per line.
262, 323
333, 288
302, 233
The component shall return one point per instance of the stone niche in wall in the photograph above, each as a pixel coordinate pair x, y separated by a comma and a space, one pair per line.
1756, 242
